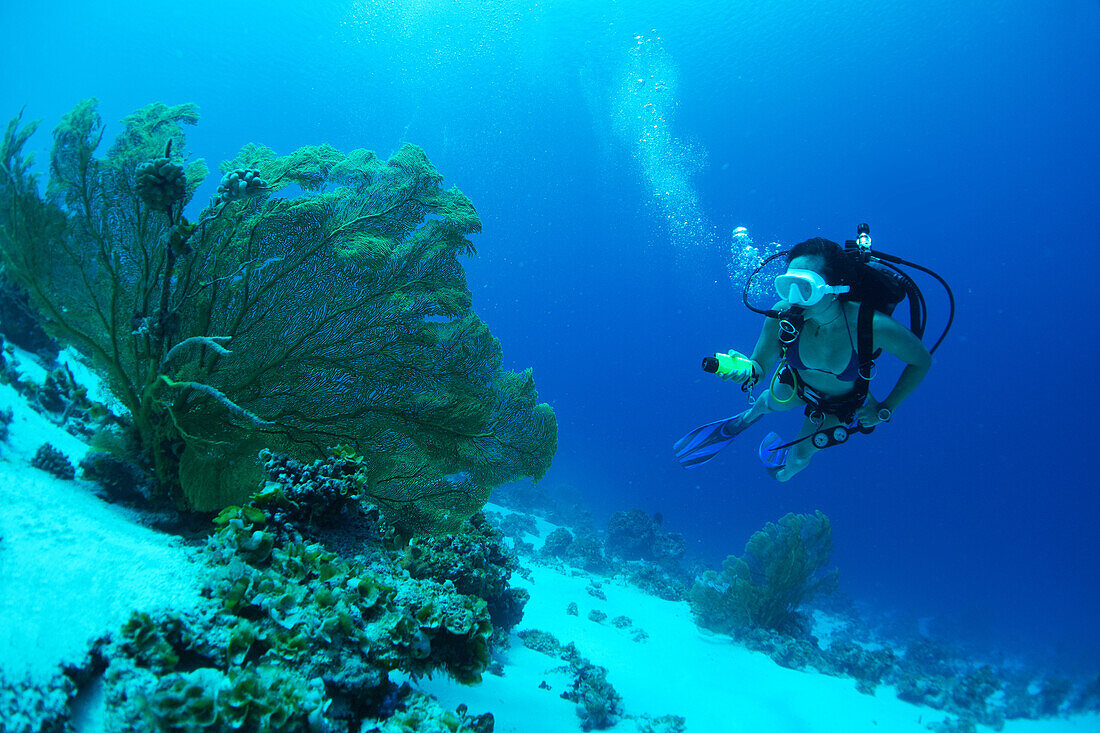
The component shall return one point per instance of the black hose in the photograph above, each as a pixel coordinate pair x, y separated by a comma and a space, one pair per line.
745, 293
950, 295
891, 261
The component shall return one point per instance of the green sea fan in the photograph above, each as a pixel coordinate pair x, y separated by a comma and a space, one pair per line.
782, 566
325, 307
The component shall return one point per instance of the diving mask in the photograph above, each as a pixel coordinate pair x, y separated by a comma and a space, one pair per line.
805, 287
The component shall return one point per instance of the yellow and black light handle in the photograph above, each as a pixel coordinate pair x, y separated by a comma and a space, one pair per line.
734, 364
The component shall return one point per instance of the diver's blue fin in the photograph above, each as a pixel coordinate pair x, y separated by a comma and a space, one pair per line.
773, 454
706, 441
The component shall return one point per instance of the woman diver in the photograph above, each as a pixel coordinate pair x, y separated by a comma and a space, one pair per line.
814, 331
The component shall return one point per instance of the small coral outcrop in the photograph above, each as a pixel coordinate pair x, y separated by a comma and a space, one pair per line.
477, 563
421, 714
6, 417
51, 460
599, 705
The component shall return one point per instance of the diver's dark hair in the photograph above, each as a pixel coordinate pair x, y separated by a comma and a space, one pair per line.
838, 266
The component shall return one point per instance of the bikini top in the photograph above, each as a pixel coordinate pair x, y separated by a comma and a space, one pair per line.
850, 373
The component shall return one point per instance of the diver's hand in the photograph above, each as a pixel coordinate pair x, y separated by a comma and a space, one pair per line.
747, 373
867, 416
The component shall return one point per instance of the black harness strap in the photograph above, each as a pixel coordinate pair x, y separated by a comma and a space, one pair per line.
865, 353
846, 406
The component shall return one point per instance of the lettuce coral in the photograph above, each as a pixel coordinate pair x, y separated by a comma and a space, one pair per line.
422, 714
298, 638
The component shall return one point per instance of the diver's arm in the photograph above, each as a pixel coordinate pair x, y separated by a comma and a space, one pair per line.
896, 339
766, 351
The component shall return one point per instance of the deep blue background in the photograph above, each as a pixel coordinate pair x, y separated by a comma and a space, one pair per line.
965, 133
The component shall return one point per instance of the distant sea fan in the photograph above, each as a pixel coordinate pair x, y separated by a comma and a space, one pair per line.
53, 461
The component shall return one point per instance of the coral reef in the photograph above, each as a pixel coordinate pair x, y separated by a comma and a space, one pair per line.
557, 543
477, 563
786, 651
634, 535
217, 339
30, 708
599, 705
660, 724
562, 504
630, 535
1086, 697
657, 581
929, 674
296, 637
51, 460
587, 552
954, 725
321, 502
636, 545
518, 525
782, 566
868, 668
67, 405
60, 399
264, 698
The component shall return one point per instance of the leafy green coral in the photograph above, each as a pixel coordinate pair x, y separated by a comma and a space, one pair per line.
476, 561
308, 603
422, 714
320, 304
296, 638
263, 699
782, 566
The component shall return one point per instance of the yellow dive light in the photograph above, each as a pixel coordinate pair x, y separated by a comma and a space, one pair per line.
734, 364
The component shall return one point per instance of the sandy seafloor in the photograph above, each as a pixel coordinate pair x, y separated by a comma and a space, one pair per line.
73, 567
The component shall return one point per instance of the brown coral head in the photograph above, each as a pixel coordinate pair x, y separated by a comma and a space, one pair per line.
161, 183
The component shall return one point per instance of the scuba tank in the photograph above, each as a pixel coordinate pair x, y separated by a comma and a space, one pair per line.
880, 282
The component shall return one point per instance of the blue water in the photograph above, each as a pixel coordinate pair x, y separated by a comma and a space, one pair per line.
612, 147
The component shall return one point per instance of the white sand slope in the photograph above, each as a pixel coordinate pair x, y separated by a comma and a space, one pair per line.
716, 685
72, 567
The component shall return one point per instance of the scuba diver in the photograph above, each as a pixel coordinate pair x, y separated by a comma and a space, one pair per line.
832, 322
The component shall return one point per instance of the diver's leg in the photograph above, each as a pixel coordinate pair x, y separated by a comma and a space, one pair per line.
768, 403
801, 453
